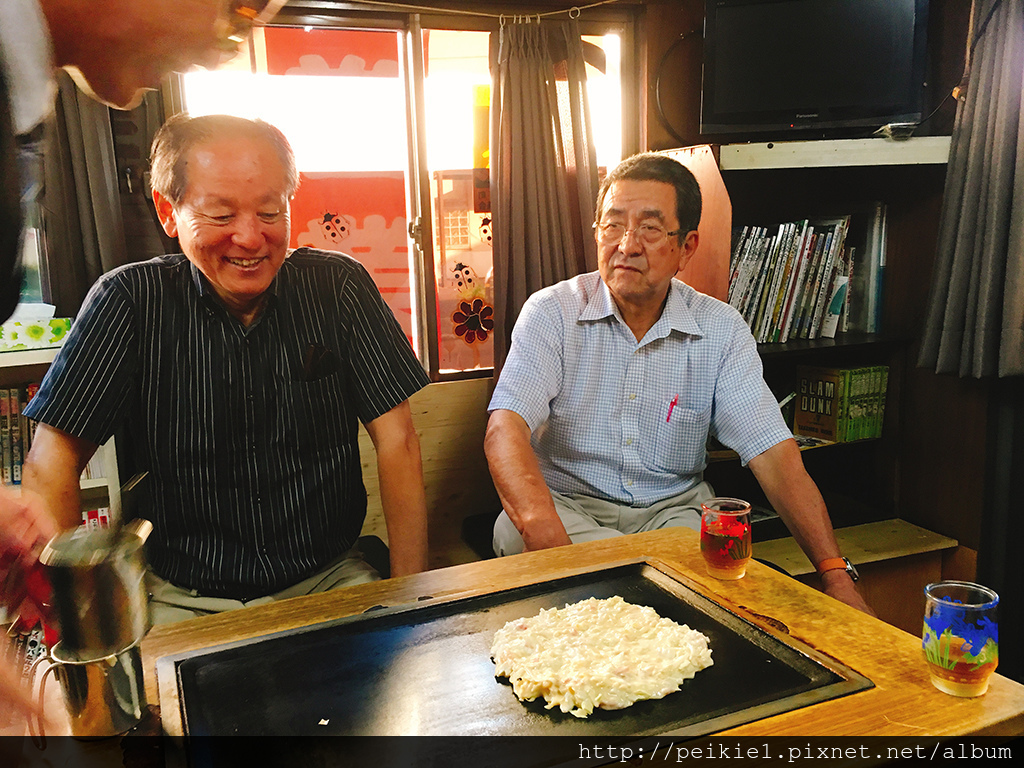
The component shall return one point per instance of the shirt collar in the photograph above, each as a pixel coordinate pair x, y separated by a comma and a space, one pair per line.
677, 313
676, 316
208, 295
600, 305
26, 53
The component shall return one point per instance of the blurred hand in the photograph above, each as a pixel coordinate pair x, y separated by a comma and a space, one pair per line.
15, 699
25, 527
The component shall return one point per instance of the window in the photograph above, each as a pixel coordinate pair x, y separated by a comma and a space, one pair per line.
389, 121
456, 229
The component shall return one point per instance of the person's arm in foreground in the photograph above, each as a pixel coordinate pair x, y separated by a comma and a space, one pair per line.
400, 475
52, 471
15, 698
25, 527
793, 494
520, 484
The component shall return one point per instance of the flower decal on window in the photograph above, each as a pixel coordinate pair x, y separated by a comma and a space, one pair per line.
473, 320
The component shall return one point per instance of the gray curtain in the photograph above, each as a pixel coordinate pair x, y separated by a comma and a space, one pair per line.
543, 166
1002, 524
975, 322
84, 232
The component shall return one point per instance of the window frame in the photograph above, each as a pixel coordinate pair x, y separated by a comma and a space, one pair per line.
419, 204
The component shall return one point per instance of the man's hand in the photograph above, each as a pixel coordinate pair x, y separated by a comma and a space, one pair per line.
24, 525
543, 531
792, 493
839, 585
15, 698
24, 530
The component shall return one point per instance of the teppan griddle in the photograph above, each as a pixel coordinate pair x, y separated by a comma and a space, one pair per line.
425, 670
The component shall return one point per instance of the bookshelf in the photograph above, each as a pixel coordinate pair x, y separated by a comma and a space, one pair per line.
792, 180
22, 366
849, 340
27, 358
931, 465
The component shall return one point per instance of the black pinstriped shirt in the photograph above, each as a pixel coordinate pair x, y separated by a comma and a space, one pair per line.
249, 434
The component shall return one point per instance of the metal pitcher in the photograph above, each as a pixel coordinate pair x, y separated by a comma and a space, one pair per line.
104, 697
99, 592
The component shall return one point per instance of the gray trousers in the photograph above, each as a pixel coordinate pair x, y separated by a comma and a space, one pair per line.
587, 519
169, 603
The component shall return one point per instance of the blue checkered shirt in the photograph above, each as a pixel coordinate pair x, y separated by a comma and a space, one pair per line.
626, 421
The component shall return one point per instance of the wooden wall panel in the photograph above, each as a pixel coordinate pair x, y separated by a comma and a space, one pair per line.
671, 44
708, 269
450, 418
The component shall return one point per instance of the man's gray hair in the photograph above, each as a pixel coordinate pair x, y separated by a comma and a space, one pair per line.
181, 133
652, 166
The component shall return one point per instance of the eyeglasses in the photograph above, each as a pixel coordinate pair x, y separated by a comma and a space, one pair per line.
648, 234
241, 17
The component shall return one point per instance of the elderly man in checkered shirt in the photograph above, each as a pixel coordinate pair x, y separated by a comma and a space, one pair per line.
615, 379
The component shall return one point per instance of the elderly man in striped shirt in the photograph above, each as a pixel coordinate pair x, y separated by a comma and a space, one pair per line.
115, 49
614, 380
236, 374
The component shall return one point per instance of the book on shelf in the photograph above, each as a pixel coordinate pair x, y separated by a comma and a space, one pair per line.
876, 409
95, 468
858, 401
830, 261
810, 278
851, 259
867, 277
6, 470
16, 431
14, 415
803, 441
840, 405
822, 395
832, 319
805, 250
96, 518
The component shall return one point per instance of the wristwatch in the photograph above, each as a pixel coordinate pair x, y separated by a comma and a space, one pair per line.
836, 564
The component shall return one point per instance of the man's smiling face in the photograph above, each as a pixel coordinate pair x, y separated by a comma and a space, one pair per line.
233, 221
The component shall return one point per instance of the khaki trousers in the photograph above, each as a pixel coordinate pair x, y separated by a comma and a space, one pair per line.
169, 603
587, 519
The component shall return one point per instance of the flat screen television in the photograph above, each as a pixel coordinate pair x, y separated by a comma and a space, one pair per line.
834, 67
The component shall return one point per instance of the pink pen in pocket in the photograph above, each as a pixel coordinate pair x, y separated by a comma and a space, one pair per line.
671, 405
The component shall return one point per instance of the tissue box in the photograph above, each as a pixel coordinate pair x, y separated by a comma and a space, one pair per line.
33, 334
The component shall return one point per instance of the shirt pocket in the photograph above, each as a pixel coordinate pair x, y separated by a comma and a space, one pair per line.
320, 418
680, 441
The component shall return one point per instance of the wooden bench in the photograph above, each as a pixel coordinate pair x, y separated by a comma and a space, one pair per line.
450, 418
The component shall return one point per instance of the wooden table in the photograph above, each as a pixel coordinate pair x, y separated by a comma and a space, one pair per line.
903, 702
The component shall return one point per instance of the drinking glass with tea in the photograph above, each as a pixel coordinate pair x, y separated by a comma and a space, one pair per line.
960, 636
725, 537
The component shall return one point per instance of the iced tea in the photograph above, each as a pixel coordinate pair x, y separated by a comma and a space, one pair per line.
725, 537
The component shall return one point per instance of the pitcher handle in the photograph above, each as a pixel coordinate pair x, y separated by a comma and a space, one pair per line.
39, 739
